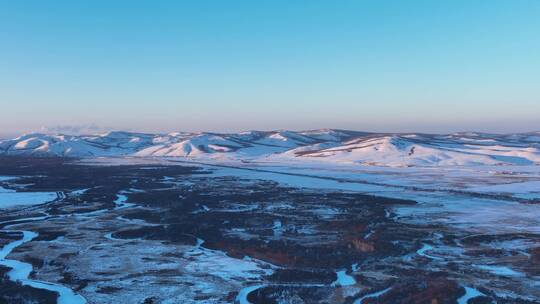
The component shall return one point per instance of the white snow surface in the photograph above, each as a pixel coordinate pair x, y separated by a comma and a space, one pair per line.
327, 145
11, 198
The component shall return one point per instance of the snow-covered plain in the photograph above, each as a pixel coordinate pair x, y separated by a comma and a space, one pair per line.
443, 194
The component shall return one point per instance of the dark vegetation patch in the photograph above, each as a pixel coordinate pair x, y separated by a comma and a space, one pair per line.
108, 289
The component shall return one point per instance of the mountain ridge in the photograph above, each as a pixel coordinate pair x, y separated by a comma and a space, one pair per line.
333, 145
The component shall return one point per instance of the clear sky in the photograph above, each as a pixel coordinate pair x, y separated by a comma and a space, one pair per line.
380, 65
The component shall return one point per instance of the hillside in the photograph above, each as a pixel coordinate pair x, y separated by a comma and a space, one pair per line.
339, 146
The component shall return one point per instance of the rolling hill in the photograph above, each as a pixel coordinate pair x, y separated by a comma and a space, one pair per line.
326, 145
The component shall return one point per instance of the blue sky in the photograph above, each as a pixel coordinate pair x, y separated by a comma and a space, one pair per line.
429, 66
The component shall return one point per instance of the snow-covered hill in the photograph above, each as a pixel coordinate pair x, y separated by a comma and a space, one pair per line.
339, 146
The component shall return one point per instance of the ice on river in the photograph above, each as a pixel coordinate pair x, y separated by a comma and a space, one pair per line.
10, 198
469, 294
343, 279
20, 272
241, 298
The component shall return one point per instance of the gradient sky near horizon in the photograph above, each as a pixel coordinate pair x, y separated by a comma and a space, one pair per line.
380, 65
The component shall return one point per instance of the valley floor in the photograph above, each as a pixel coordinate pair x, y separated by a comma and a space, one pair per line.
164, 231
